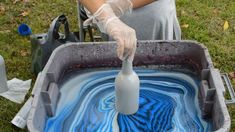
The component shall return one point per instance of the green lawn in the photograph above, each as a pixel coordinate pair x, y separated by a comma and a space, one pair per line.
201, 20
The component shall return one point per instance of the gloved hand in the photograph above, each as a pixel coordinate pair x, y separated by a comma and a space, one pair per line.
125, 36
120, 7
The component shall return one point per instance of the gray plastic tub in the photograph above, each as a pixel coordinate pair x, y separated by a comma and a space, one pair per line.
163, 54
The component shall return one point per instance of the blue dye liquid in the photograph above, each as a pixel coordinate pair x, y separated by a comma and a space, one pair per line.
168, 102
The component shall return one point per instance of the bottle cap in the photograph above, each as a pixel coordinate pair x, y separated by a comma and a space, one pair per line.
24, 30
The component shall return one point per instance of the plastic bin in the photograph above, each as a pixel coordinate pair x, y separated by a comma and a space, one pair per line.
165, 54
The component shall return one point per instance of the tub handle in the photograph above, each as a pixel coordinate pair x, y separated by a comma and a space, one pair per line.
229, 86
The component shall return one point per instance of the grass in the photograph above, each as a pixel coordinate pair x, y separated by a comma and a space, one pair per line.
201, 21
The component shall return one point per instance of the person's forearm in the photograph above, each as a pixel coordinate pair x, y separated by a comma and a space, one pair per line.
92, 5
140, 3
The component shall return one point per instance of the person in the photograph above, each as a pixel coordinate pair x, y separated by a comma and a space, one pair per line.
128, 20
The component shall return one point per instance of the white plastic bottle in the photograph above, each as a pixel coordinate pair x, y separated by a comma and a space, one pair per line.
127, 89
3, 78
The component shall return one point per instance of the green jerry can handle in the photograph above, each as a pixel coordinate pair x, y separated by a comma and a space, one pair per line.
53, 32
44, 44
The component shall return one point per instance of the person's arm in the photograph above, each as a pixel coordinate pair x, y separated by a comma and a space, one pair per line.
92, 5
106, 19
120, 7
140, 3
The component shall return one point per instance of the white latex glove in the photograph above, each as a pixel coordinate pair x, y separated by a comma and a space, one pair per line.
125, 36
120, 7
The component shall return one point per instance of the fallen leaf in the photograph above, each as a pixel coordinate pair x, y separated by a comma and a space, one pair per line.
5, 31
24, 53
232, 74
24, 13
2, 9
16, 1
216, 11
183, 12
25, 1
185, 25
226, 25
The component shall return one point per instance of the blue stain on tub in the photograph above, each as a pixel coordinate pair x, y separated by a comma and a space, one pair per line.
168, 102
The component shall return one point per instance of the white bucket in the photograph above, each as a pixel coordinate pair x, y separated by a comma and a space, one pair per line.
3, 78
